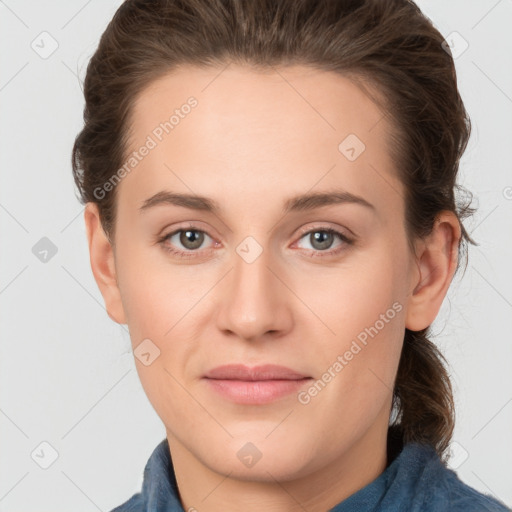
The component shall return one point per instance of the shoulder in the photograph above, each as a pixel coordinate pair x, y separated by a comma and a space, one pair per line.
134, 504
447, 492
462, 497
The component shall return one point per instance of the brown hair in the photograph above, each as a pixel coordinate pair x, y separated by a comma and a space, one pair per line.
388, 47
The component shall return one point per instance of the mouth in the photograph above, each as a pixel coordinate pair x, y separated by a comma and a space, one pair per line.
257, 385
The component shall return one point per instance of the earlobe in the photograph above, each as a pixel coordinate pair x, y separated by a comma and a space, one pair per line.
102, 263
436, 263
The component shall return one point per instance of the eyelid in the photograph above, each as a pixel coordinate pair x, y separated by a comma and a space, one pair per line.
327, 227
191, 224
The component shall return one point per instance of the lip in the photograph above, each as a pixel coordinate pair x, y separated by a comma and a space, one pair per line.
254, 385
248, 373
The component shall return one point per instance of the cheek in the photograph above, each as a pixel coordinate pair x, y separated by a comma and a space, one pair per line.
155, 295
162, 303
348, 300
157, 300
362, 326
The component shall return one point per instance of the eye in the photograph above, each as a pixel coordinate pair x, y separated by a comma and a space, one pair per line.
188, 237
322, 239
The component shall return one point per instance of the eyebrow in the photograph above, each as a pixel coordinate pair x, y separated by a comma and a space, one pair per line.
303, 202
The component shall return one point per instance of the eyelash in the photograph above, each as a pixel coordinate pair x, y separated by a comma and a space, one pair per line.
316, 253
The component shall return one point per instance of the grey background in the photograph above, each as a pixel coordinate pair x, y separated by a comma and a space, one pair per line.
67, 375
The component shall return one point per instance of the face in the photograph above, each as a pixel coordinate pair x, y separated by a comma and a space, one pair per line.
319, 287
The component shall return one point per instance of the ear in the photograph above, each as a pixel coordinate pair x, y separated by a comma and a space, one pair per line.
436, 260
103, 264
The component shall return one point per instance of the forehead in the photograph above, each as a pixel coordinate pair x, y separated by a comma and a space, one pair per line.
250, 130
325, 103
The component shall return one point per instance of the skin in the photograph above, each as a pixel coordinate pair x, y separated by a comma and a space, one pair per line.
254, 140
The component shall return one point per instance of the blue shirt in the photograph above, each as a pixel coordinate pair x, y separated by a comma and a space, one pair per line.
416, 480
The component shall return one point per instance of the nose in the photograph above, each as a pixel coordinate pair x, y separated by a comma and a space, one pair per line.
255, 302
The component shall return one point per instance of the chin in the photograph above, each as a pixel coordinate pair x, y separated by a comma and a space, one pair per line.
260, 461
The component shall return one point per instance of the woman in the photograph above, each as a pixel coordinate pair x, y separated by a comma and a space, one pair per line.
270, 207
